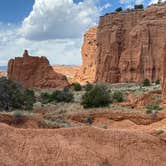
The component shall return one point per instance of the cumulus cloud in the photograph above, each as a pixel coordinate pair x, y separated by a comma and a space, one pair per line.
58, 51
54, 19
54, 28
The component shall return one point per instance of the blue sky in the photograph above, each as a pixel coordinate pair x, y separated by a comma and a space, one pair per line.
14, 11
52, 28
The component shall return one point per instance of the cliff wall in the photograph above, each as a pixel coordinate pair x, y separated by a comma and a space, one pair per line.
128, 47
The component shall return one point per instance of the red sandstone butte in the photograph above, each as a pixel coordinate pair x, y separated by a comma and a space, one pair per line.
128, 47
35, 72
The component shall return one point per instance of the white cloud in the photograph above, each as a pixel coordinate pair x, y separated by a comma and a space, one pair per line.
54, 28
129, 2
155, 1
62, 51
51, 19
105, 6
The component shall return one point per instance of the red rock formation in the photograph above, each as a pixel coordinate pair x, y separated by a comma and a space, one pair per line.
35, 72
89, 48
129, 46
163, 83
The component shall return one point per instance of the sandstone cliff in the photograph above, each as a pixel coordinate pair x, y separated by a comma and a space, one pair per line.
89, 48
163, 83
35, 72
128, 48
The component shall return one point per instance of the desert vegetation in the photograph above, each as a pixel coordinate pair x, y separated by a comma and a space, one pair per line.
13, 96
77, 105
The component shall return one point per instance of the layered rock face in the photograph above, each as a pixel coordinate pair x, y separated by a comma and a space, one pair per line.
131, 45
89, 50
163, 84
35, 72
128, 46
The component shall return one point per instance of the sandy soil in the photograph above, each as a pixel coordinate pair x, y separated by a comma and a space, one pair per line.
125, 141
79, 146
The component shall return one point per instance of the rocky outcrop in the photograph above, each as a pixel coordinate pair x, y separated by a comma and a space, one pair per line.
35, 72
131, 45
89, 50
128, 48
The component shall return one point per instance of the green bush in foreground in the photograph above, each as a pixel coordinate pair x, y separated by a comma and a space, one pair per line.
13, 96
97, 97
146, 82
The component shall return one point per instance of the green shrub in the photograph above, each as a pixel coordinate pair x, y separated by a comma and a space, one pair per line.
157, 82
159, 132
140, 6
29, 99
56, 123
76, 86
88, 86
119, 9
146, 82
118, 96
57, 96
13, 96
62, 96
45, 98
18, 117
154, 106
96, 97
